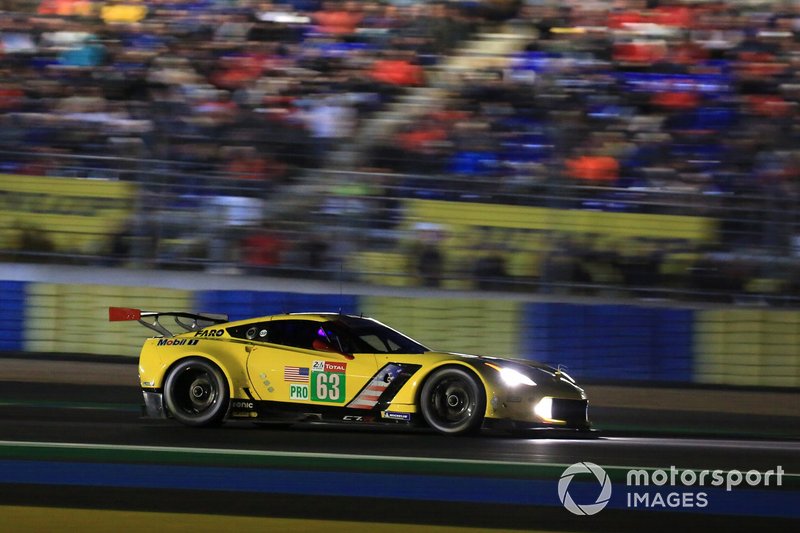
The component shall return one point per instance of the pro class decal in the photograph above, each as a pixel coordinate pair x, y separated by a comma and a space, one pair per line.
298, 391
328, 381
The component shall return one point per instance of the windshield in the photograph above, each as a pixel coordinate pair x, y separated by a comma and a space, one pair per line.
367, 336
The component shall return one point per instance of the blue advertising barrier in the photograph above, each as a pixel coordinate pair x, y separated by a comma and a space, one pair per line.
12, 315
616, 342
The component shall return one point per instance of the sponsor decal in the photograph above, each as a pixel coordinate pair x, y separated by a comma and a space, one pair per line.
298, 391
328, 386
296, 374
239, 404
177, 342
335, 367
396, 416
210, 333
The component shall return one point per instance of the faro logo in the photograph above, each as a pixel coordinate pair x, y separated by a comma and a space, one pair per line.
210, 333
584, 508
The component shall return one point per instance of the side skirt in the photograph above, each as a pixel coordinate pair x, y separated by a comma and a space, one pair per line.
267, 411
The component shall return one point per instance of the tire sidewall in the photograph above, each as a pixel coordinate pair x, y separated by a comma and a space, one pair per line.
474, 422
215, 414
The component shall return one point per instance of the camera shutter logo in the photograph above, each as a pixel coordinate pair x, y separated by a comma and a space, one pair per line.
588, 508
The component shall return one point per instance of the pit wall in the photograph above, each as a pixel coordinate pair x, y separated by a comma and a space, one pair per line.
732, 346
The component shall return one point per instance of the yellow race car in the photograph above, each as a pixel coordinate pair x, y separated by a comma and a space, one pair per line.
332, 367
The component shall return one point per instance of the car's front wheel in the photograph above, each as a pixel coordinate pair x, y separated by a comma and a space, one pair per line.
453, 401
196, 393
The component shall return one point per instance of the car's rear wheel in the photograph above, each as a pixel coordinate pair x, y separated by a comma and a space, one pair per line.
453, 401
196, 393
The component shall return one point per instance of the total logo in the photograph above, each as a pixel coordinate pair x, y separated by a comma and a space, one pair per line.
328, 366
335, 367
584, 509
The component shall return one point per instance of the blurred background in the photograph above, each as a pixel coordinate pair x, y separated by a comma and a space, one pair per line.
513, 171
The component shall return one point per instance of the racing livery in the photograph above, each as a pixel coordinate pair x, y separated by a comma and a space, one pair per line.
339, 368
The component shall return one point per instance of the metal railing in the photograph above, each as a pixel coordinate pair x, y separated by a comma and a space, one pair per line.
373, 227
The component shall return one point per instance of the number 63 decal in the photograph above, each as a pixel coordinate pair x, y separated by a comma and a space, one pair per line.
327, 387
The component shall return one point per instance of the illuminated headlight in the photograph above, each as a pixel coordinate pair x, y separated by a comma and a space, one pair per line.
512, 378
544, 409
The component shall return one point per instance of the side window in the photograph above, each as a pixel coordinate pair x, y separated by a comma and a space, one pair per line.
375, 343
252, 332
295, 333
337, 338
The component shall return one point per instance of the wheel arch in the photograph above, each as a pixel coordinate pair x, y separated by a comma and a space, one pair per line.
210, 359
211, 414
453, 364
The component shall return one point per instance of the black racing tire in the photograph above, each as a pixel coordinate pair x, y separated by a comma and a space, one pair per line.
196, 393
453, 401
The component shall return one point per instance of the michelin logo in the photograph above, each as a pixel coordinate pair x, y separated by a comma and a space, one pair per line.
396, 416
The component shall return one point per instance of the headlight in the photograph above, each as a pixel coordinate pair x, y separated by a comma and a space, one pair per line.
544, 409
512, 378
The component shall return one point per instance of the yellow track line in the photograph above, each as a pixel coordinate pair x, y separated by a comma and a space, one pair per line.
46, 519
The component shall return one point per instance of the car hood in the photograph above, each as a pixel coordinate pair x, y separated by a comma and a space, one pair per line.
533, 369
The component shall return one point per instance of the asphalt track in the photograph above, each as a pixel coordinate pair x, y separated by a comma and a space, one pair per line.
84, 453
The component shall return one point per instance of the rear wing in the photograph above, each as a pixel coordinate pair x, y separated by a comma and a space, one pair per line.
149, 319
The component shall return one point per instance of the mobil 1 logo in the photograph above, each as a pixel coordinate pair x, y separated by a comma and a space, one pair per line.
328, 381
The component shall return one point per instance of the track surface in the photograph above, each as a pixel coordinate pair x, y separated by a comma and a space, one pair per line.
109, 415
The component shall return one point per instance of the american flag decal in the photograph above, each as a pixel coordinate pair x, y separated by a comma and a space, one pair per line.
297, 374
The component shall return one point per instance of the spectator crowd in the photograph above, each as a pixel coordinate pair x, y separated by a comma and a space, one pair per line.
608, 106
253, 89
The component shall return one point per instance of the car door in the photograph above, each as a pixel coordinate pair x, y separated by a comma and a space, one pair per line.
293, 361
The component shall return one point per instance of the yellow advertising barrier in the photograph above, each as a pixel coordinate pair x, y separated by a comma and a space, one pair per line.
65, 214
476, 218
74, 318
747, 347
525, 235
